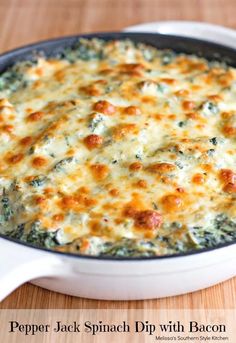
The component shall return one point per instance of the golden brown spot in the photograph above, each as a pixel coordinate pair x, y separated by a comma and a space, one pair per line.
14, 159
193, 115
129, 211
59, 75
229, 131
93, 141
207, 167
59, 217
8, 128
182, 92
198, 179
161, 167
35, 116
215, 97
172, 202
135, 166
69, 202
141, 184
49, 191
39, 71
39, 200
99, 171
39, 162
84, 190
226, 115
148, 219
104, 107
132, 69
26, 140
188, 105
227, 176
230, 188
91, 90
168, 81
114, 192
122, 130
106, 71
132, 110
148, 99
180, 190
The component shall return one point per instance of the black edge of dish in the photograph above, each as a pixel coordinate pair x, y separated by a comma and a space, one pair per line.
115, 258
53, 47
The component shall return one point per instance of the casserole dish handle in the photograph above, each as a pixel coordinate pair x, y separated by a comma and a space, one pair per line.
20, 264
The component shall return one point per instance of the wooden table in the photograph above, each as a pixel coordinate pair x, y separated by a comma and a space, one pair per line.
25, 21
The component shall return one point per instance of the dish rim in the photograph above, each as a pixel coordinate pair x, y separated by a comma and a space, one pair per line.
30, 48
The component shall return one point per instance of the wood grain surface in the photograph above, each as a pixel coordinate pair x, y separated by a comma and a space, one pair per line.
26, 21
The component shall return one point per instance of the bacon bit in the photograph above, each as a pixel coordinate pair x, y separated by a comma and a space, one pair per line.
227, 176
161, 167
104, 107
172, 116
169, 81
229, 131
172, 202
91, 90
182, 92
26, 141
122, 130
15, 158
114, 192
39, 162
99, 171
135, 166
198, 179
142, 184
35, 116
230, 188
188, 105
8, 128
93, 141
132, 110
148, 219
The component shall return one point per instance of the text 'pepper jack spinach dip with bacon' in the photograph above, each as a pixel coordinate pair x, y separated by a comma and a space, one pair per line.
118, 149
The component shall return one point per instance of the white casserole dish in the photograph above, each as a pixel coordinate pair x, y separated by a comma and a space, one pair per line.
109, 278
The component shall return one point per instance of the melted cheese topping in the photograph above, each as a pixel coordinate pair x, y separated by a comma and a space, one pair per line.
124, 150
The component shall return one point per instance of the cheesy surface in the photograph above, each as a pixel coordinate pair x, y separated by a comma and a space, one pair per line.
118, 149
